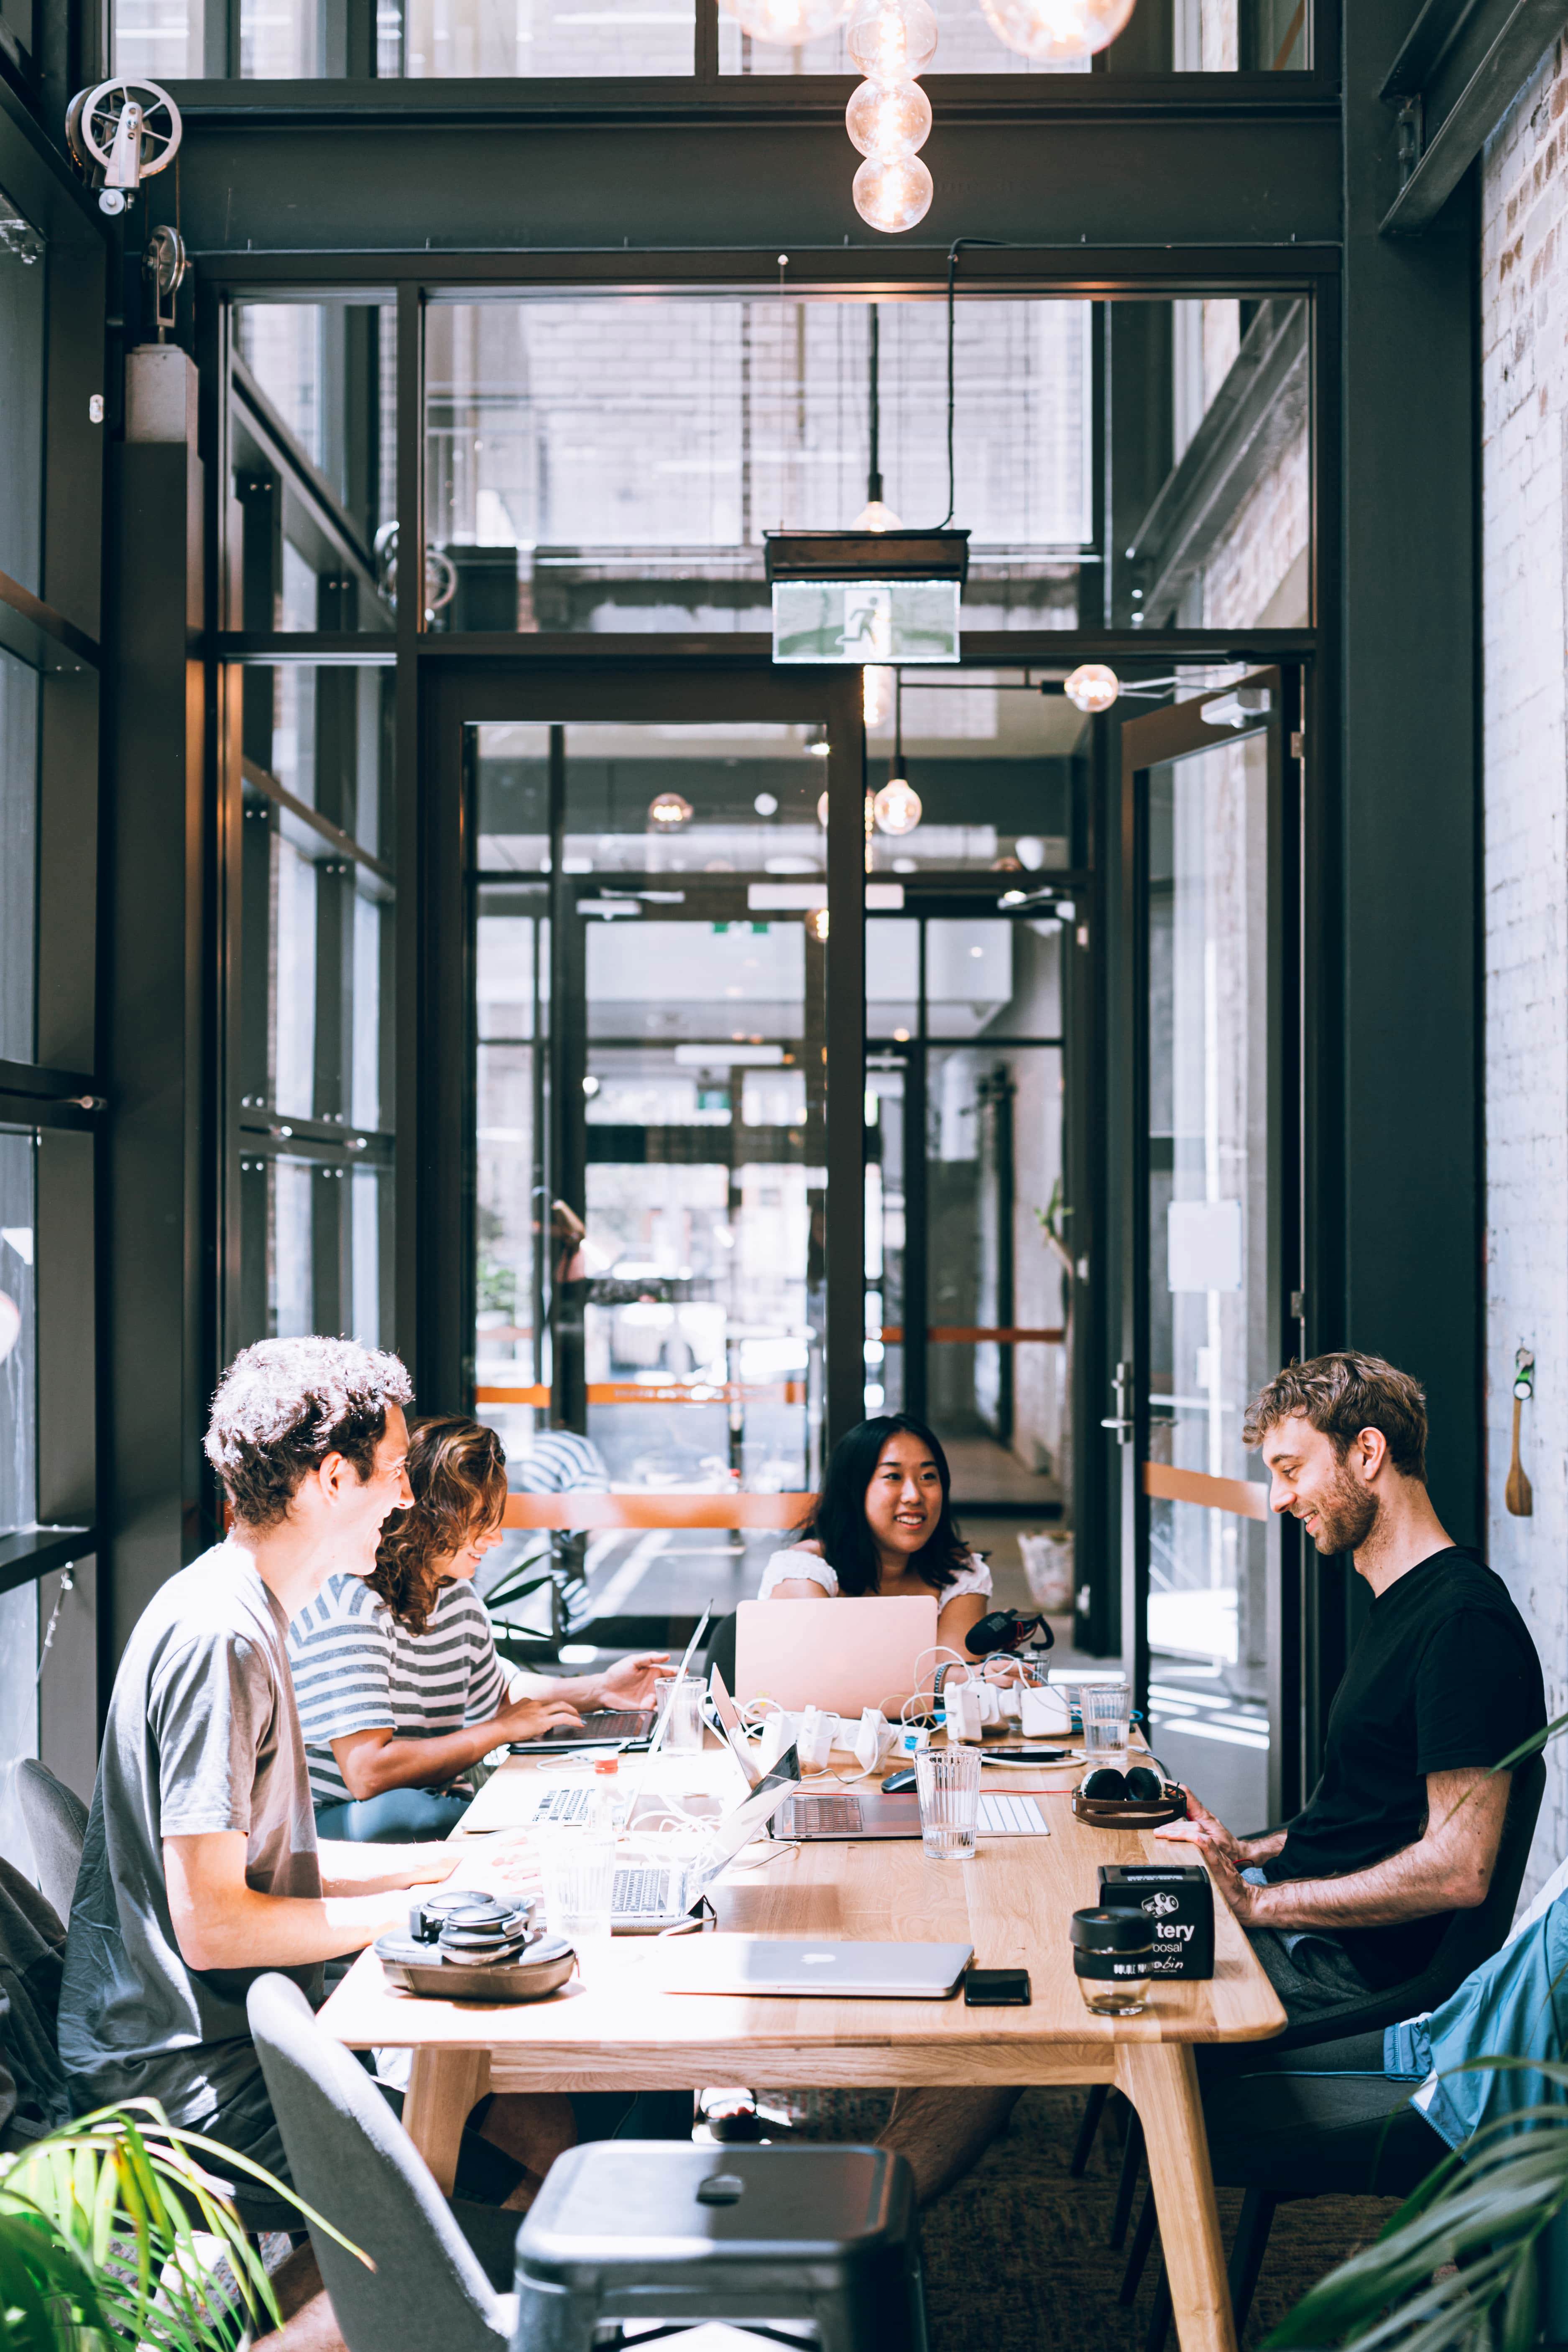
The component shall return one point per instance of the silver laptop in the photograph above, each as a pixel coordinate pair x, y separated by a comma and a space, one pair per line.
764, 1964
652, 1894
842, 1814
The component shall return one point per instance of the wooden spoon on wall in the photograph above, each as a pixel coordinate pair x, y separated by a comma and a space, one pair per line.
1517, 1493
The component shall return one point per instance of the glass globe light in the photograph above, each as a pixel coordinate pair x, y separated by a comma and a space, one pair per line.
891, 40
1053, 32
897, 806
893, 194
668, 812
822, 810
787, 22
886, 119
1091, 686
877, 692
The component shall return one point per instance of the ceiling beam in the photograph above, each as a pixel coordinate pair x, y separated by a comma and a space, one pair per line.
1459, 69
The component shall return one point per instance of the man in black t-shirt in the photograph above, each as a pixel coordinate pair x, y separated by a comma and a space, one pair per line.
1404, 1827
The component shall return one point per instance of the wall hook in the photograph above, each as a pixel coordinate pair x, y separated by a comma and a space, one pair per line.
1517, 1496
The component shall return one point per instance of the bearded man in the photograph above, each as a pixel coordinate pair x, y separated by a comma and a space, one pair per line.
1404, 1827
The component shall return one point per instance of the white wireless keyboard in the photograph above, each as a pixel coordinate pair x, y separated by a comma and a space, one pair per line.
1002, 1816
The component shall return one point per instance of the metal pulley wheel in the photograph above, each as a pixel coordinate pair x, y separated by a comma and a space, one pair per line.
120, 133
440, 572
166, 266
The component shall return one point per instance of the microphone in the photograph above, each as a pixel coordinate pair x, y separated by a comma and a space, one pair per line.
1007, 1630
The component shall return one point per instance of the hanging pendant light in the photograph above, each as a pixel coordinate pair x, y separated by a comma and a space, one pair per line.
668, 812
889, 117
897, 808
1091, 686
1056, 32
876, 514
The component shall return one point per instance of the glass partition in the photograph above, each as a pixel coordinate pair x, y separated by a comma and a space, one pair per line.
18, 858
613, 464
1211, 1540
435, 38
651, 970
313, 1035
21, 391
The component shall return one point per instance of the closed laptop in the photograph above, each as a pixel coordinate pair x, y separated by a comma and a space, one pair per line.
783, 1964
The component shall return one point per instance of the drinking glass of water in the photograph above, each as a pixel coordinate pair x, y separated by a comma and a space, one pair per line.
948, 1780
1107, 1723
578, 1867
679, 1698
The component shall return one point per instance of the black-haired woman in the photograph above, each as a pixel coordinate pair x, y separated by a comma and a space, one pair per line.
883, 1525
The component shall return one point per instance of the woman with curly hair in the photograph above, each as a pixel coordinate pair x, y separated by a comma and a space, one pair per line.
400, 1692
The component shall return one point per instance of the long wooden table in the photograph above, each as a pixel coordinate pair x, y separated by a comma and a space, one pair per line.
1012, 1901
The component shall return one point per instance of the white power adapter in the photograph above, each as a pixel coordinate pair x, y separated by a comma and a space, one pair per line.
814, 1741
966, 1710
779, 1729
873, 1738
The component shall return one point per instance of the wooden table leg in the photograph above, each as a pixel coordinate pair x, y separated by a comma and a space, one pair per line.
443, 2087
1161, 2078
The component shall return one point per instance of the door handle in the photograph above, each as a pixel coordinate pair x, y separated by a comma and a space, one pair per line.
1121, 1421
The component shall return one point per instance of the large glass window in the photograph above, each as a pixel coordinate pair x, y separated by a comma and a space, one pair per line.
314, 452
435, 38
314, 1028
22, 278
649, 1229
18, 858
1210, 1327
610, 464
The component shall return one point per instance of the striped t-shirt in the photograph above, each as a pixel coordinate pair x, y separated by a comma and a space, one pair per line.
357, 1669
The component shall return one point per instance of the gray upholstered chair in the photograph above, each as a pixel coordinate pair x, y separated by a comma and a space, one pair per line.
56, 1822
433, 2288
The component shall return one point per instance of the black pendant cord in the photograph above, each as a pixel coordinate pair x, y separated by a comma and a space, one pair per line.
954, 250
874, 470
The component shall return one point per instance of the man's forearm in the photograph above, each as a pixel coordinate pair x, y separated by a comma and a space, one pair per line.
350, 1870
1410, 1885
248, 1930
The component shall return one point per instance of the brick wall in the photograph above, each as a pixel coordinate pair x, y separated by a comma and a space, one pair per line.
1524, 393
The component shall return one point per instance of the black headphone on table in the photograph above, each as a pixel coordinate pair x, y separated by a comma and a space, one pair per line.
1145, 1784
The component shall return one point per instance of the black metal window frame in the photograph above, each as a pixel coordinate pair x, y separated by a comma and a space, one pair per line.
432, 1281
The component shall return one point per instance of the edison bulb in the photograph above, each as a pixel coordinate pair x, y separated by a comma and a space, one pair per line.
893, 194
877, 693
891, 40
897, 806
1054, 31
877, 516
1091, 686
822, 809
787, 22
668, 812
889, 118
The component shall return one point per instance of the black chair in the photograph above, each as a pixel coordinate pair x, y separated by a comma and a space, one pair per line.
1348, 2132
56, 1822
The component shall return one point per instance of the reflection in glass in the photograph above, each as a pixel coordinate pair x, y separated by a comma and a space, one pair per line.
1163, 36
23, 270
18, 859
18, 1332
1208, 1299
315, 1246
650, 1144
614, 464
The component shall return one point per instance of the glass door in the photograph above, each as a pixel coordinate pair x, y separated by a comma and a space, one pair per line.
1210, 1260
653, 913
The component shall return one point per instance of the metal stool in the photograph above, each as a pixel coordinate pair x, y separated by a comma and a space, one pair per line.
645, 2230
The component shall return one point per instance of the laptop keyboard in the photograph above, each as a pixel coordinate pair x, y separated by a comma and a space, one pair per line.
822, 1816
644, 1891
564, 1805
1010, 1817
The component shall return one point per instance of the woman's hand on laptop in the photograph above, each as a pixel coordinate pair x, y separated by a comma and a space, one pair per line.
531, 1717
628, 1682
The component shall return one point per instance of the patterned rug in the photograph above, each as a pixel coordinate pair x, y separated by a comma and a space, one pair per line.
1016, 2258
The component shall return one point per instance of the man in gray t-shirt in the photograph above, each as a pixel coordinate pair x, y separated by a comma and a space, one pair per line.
202, 1736
201, 1869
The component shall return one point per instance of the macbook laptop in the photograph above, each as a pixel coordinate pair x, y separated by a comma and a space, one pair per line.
651, 1894
764, 1964
631, 1729
852, 1655
842, 1814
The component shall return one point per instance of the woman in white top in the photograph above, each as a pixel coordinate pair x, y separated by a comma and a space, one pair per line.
883, 1525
